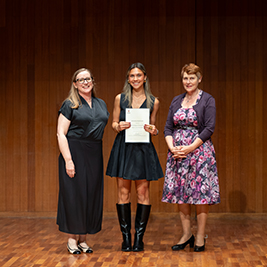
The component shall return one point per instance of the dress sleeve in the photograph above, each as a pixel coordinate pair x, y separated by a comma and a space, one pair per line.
66, 109
208, 120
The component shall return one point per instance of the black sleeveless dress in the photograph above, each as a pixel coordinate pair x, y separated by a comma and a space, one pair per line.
133, 161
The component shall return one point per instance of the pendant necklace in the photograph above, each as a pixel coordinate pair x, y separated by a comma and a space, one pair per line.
187, 100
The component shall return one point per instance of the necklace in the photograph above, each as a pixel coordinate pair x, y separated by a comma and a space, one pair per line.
137, 101
193, 97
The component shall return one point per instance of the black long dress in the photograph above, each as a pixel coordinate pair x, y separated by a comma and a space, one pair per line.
80, 202
133, 161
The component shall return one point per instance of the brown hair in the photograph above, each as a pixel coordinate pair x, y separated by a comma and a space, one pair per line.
191, 68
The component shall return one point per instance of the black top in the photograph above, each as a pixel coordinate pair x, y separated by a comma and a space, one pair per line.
86, 122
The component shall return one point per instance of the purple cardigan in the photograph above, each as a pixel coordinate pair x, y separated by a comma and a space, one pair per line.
206, 115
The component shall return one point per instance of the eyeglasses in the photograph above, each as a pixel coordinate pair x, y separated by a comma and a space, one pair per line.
83, 80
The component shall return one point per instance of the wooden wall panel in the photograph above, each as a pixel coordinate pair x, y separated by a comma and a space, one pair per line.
43, 43
230, 48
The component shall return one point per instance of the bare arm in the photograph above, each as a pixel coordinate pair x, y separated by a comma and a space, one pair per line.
169, 141
62, 129
151, 128
118, 125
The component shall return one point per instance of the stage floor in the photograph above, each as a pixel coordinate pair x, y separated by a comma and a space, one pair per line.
233, 240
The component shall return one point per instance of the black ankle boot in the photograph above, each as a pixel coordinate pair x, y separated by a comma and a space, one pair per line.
124, 215
142, 215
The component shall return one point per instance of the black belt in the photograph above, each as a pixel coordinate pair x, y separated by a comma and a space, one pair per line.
185, 128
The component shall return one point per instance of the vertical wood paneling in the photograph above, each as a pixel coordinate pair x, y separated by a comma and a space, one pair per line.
3, 106
30, 67
232, 60
11, 128
3, 125
41, 103
257, 26
263, 78
43, 44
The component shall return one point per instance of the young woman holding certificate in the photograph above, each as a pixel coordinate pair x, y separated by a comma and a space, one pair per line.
136, 161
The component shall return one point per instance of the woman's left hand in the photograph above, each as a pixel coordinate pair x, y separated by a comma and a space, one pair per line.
184, 150
151, 129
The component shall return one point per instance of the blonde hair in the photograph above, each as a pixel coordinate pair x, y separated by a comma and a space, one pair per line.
127, 89
191, 68
74, 94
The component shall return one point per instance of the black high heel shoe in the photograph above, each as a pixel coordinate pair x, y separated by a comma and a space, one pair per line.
190, 241
200, 248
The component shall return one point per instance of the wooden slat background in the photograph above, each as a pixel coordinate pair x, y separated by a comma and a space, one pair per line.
44, 42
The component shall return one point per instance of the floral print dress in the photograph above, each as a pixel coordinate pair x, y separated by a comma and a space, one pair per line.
194, 179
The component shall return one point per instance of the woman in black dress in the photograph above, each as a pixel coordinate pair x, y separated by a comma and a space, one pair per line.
134, 161
81, 122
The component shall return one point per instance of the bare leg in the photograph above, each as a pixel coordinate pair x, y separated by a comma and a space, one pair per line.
124, 190
202, 215
82, 241
72, 241
142, 191
185, 214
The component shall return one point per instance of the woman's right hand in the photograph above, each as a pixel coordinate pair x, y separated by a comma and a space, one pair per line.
70, 168
177, 153
118, 125
123, 125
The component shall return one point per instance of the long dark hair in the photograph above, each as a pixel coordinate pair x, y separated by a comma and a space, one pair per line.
127, 89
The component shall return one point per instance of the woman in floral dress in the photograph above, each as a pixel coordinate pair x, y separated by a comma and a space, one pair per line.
191, 172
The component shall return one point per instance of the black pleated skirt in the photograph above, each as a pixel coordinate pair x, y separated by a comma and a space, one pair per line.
133, 161
80, 202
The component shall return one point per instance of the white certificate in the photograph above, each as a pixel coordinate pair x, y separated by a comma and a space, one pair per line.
138, 117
